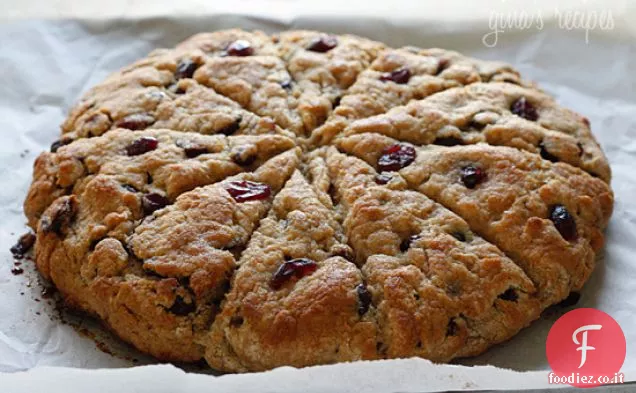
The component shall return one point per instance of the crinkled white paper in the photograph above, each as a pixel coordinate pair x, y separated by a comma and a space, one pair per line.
46, 65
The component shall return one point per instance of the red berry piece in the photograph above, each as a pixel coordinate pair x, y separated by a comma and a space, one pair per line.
240, 48
244, 190
153, 201
399, 76
396, 157
185, 69
323, 44
364, 297
136, 121
298, 268
523, 108
142, 145
564, 222
472, 176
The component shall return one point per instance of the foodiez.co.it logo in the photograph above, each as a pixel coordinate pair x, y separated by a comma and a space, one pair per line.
586, 347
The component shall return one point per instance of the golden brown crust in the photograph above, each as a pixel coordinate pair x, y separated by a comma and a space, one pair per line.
179, 208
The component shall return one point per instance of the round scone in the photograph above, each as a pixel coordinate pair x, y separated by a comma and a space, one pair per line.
304, 198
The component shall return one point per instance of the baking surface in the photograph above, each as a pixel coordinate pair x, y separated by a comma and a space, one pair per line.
45, 66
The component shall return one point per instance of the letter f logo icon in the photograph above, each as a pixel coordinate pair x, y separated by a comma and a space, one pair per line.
584, 347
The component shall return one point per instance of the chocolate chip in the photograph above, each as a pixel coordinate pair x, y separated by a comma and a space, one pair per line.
181, 307
510, 295
523, 108
452, 329
472, 175
240, 48
142, 145
442, 65
231, 128
153, 201
136, 121
406, 243
195, 151
24, 244
286, 84
185, 69
236, 321
546, 155
364, 299
244, 156
62, 217
16, 271
130, 188
459, 236
57, 144
323, 44
564, 222
399, 76
447, 141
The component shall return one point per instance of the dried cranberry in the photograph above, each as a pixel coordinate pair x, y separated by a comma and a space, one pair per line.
383, 178
323, 44
24, 244
153, 201
181, 308
546, 155
563, 221
298, 268
231, 128
245, 190
364, 297
57, 144
396, 157
472, 176
185, 69
142, 145
399, 76
136, 121
240, 48
524, 109
510, 295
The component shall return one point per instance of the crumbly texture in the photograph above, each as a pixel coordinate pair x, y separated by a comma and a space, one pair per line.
306, 198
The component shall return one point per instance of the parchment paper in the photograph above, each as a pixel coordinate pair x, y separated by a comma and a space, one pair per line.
46, 65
